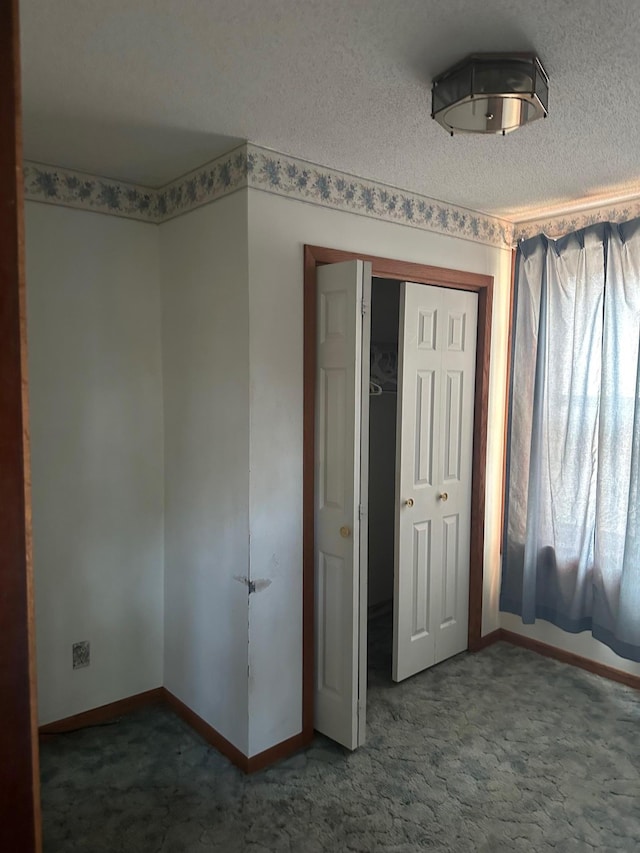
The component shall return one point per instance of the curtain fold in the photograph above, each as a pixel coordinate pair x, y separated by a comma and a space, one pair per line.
571, 552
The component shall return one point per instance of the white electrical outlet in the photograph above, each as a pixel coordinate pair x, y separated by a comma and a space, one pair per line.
81, 654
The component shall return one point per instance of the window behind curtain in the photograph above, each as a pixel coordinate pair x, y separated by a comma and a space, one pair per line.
572, 525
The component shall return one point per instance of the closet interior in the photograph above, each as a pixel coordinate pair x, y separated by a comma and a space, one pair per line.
383, 403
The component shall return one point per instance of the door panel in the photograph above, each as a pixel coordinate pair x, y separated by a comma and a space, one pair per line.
460, 313
454, 383
435, 430
419, 391
450, 562
424, 432
331, 581
340, 468
421, 578
333, 382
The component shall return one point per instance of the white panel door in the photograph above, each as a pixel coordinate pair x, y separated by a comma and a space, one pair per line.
340, 473
436, 381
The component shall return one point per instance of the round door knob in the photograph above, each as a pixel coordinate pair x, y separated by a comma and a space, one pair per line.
444, 496
345, 532
409, 502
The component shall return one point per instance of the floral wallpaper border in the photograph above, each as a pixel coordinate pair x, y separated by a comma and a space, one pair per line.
561, 224
69, 188
208, 183
261, 169
54, 185
250, 165
305, 181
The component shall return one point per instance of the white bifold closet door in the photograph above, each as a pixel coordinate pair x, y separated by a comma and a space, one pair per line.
436, 383
341, 482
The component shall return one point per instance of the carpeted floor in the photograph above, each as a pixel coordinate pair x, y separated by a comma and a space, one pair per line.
500, 751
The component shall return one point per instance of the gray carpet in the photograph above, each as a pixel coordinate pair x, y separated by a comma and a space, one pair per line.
500, 751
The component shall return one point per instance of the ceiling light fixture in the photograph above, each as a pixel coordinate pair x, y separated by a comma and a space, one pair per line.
491, 93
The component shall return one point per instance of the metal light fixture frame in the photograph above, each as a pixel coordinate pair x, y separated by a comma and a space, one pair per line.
528, 105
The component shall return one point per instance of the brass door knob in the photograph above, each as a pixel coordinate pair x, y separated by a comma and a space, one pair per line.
409, 502
444, 496
345, 532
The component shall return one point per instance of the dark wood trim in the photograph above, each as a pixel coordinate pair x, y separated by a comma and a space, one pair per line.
104, 713
206, 731
20, 822
569, 657
277, 753
488, 640
315, 256
479, 465
601, 669
213, 737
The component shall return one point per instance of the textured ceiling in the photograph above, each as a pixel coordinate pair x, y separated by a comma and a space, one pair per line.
144, 90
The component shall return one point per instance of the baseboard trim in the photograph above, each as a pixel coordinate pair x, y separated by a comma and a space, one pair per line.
280, 751
105, 713
569, 657
206, 731
486, 641
102, 714
235, 756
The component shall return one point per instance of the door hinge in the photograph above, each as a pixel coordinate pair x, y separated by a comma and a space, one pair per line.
362, 510
364, 307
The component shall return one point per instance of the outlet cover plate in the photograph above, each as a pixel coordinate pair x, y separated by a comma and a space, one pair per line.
81, 654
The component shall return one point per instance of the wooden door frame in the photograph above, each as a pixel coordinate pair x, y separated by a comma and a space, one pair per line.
315, 256
20, 801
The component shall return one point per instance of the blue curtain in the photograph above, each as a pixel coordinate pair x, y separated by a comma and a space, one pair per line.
571, 551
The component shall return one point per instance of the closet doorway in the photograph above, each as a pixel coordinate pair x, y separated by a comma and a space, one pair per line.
421, 389
399, 444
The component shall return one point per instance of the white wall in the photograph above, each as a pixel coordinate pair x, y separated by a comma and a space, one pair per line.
204, 273
97, 462
278, 228
227, 380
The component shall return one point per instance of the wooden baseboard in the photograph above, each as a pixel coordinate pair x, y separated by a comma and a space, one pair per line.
288, 747
105, 713
278, 752
569, 657
213, 737
206, 731
486, 641
610, 672
102, 714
